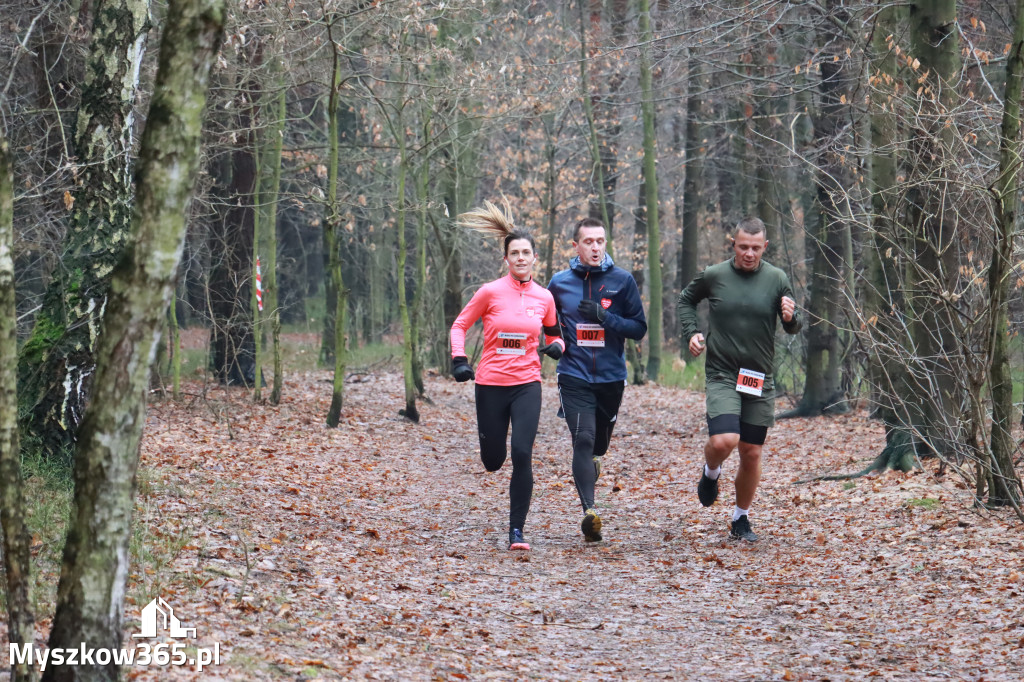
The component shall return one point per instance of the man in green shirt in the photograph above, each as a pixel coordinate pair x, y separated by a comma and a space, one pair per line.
746, 295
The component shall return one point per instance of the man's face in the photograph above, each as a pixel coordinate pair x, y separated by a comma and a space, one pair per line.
748, 249
591, 245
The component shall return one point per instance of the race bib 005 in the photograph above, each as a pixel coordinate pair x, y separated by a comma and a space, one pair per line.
511, 343
589, 335
750, 382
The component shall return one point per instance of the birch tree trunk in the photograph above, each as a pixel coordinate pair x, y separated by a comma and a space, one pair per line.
94, 572
57, 363
16, 541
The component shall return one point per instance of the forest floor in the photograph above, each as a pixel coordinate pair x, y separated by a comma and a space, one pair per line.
378, 550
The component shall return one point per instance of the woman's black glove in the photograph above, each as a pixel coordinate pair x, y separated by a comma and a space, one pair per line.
461, 369
592, 311
553, 350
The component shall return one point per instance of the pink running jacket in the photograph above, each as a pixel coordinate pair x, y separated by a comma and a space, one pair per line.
514, 313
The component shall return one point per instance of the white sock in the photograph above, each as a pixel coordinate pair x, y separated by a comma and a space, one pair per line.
713, 474
737, 513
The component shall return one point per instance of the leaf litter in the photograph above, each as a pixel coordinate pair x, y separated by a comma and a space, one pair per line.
378, 550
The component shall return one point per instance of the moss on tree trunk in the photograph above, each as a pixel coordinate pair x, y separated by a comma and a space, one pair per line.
90, 596
57, 363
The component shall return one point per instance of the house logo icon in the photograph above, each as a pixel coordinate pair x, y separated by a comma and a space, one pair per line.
157, 615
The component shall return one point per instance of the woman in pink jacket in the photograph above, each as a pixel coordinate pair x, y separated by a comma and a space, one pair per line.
514, 310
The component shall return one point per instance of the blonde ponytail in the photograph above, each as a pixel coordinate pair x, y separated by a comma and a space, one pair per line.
496, 222
490, 219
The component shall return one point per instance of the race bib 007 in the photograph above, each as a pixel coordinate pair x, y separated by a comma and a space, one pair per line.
750, 382
589, 335
511, 343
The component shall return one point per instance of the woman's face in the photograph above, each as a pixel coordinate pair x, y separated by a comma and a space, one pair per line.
520, 259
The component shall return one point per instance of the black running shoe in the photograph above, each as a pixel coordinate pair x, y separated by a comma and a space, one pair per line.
591, 526
741, 530
707, 489
516, 540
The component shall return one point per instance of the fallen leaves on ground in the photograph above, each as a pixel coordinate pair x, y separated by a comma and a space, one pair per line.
378, 550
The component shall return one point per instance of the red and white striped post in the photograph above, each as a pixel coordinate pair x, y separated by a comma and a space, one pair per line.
259, 286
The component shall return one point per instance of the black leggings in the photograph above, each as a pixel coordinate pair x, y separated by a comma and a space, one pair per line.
590, 412
496, 406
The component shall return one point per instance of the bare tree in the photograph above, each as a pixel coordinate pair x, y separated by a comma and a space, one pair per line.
90, 597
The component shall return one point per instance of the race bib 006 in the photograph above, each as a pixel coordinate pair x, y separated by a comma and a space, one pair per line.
589, 335
750, 382
511, 343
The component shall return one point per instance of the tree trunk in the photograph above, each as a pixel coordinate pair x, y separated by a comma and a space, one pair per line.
57, 362
409, 412
175, 343
883, 295
459, 188
418, 315
823, 381
345, 126
549, 203
633, 353
272, 196
332, 244
94, 573
13, 512
931, 216
1004, 485
692, 185
231, 279
256, 275
654, 315
597, 180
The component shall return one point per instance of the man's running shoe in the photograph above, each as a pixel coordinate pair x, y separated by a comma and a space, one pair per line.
707, 489
741, 530
591, 526
597, 468
516, 540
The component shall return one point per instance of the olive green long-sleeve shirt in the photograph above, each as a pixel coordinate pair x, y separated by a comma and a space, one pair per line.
744, 307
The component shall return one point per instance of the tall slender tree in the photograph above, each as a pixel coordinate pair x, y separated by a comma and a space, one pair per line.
271, 198
94, 572
655, 285
1004, 485
13, 512
332, 237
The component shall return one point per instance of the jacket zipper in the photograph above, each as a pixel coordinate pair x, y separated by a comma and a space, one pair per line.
593, 351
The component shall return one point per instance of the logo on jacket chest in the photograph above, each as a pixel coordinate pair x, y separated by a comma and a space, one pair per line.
606, 303
531, 311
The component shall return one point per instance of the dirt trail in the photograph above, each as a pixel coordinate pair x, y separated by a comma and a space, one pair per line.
377, 551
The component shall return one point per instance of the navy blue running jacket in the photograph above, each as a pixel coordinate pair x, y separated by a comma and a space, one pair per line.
615, 290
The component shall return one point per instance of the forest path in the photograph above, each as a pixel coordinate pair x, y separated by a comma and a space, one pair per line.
378, 550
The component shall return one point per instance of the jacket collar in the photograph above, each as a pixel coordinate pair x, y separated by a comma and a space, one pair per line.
516, 284
578, 267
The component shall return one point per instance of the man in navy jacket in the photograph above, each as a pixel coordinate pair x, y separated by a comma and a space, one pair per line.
599, 307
